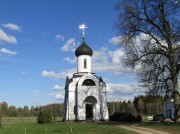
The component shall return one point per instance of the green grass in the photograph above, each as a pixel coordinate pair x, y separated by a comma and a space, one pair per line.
29, 125
18, 120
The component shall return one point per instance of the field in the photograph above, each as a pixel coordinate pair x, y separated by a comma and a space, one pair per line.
29, 125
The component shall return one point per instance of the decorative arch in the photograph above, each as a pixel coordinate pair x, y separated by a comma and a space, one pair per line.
90, 99
88, 76
88, 82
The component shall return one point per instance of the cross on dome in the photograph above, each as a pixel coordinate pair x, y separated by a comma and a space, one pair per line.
83, 27
83, 49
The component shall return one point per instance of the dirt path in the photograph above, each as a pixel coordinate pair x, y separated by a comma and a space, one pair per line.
142, 130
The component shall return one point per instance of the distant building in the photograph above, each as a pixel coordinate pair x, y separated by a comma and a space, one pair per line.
85, 93
169, 110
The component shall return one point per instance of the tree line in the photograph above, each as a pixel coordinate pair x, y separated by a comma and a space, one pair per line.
11, 111
141, 105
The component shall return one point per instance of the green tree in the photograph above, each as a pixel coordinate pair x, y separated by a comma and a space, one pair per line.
124, 106
55, 108
109, 104
140, 105
113, 107
44, 117
0, 116
34, 110
131, 108
26, 112
4, 108
150, 33
13, 112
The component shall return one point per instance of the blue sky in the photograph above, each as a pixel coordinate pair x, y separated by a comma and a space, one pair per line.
37, 43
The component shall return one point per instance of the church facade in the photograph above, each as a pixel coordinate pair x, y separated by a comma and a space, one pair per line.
85, 93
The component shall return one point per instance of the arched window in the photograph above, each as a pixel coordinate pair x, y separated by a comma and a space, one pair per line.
88, 82
85, 63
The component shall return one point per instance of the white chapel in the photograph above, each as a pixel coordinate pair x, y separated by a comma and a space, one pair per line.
85, 93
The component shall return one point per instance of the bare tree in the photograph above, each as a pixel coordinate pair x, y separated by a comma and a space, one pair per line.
150, 33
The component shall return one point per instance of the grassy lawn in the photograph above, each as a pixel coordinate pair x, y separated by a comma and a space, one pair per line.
29, 125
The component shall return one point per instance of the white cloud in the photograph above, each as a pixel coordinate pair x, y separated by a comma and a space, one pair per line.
121, 92
101, 55
119, 97
116, 40
59, 37
52, 74
114, 69
6, 51
125, 88
57, 95
59, 92
57, 87
110, 62
70, 60
70, 45
61, 75
137, 39
12, 26
117, 56
6, 38
101, 60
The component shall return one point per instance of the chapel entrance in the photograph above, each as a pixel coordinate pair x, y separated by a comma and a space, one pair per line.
89, 111
90, 103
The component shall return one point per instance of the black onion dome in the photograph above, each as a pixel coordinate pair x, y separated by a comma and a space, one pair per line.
83, 49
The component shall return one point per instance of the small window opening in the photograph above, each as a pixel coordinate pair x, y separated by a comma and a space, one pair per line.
85, 63
88, 82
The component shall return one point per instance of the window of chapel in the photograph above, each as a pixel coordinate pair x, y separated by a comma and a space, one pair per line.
85, 63
88, 82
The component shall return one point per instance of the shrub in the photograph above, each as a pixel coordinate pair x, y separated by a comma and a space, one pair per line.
138, 118
158, 117
44, 117
124, 117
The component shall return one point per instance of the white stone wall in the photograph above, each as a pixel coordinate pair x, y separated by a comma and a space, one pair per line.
104, 108
83, 93
71, 102
97, 112
98, 92
105, 115
80, 62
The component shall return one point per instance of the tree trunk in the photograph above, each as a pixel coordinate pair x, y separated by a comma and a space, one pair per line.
176, 100
176, 96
